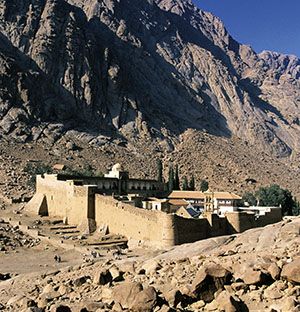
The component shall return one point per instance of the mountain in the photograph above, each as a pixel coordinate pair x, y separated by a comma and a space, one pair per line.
138, 72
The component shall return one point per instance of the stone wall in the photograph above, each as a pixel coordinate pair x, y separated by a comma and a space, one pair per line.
154, 227
66, 200
190, 230
238, 222
151, 227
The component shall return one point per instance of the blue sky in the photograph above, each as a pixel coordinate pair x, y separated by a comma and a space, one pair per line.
264, 24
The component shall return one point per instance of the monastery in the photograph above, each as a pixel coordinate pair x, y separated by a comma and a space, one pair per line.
143, 210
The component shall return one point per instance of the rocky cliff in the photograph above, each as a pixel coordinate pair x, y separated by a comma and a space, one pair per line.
139, 69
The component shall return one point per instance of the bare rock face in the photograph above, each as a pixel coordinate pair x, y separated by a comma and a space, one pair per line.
140, 69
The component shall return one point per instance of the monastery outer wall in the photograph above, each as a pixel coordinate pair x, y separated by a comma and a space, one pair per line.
238, 222
154, 228
190, 230
64, 199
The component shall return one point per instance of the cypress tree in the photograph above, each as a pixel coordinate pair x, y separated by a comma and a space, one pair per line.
185, 185
159, 171
176, 179
171, 179
192, 184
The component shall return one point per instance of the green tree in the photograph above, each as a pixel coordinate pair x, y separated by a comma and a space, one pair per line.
274, 195
204, 186
159, 170
192, 184
171, 179
185, 184
34, 169
296, 208
176, 179
249, 198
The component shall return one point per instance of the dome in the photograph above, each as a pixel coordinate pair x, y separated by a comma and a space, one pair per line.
117, 167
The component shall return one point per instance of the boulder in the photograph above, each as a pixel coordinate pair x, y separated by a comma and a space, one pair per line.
274, 271
251, 276
107, 295
173, 297
80, 280
116, 274
126, 293
48, 288
49, 296
145, 300
132, 296
228, 303
273, 293
151, 267
289, 304
209, 280
102, 277
291, 271
63, 290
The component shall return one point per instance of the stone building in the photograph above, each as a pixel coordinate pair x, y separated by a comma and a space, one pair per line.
209, 201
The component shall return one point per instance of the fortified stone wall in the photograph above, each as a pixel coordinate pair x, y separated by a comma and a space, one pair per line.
218, 225
190, 230
238, 222
153, 227
64, 199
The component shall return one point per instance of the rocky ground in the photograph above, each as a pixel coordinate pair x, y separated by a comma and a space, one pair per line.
12, 238
254, 271
227, 164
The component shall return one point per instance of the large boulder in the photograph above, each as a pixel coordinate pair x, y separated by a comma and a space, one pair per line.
291, 271
126, 293
209, 280
116, 274
251, 275
102, 277
132, 296
227, 303
145, 300
151, 267
172, 296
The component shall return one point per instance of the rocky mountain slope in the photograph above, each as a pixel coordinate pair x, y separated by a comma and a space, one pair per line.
140, 68
133, 81
230, 273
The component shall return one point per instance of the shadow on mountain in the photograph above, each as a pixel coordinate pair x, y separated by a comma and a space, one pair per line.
255, 92
177, 111
161, 96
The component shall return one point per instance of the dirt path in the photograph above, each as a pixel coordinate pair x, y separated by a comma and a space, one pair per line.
37, 259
